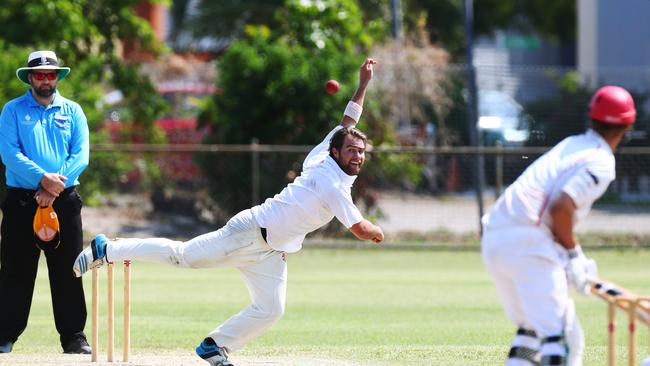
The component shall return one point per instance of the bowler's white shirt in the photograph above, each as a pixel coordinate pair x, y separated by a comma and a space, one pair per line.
581, 166
320, 193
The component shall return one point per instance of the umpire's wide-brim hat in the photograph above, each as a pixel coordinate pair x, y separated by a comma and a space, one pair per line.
42, 60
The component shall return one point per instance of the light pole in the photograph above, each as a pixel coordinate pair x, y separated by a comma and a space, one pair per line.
396, 12
476, 138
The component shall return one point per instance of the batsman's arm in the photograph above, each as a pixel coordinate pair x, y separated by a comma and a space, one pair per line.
365, 230
365, 75
562, 211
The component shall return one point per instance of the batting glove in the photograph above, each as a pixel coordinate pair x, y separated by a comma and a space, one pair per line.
579, 270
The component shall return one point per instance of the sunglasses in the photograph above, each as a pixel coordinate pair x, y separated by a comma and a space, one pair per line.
41, 76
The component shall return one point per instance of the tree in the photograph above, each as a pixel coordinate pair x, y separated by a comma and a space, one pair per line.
273, 86
555, 20
227, 20
273, 89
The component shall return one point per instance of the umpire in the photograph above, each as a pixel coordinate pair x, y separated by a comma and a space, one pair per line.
44, 147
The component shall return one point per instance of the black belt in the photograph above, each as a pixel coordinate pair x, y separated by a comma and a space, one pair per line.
32, 192
263, 230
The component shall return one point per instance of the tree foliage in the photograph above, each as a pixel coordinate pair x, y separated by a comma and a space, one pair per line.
273, 86
555, 20
284, 73
444, 20
227, 19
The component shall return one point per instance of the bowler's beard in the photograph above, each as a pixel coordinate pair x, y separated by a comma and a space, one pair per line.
45, 91
348, 169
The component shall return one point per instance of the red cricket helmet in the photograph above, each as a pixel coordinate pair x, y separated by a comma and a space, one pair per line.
612, 105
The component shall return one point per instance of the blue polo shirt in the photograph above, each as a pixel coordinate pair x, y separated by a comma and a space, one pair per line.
35, 140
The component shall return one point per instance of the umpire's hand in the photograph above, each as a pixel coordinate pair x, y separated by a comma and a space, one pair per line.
53, 183
44, 198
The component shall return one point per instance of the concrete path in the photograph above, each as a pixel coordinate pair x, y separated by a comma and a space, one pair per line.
460, 214
401, 213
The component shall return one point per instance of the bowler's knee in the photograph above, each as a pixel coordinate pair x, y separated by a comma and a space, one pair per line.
271, 313
275, 313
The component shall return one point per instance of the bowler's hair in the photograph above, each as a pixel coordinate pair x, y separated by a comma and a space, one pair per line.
339, 136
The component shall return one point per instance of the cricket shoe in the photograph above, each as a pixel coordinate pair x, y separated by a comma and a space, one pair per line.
91, 257
211, 352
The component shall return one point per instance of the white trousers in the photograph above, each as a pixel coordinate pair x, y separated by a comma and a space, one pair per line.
527, 268
238, 244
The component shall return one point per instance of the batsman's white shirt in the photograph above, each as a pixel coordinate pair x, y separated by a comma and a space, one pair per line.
518, 248
320, 193
581, 166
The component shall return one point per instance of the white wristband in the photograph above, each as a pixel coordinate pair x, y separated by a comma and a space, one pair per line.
353, 110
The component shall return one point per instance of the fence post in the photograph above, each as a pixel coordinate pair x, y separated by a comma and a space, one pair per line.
498, 170
255, 171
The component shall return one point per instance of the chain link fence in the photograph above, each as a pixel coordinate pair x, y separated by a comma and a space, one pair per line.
441, 201
423, 189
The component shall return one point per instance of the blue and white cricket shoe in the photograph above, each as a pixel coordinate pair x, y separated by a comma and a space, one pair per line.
92, 257
211, 352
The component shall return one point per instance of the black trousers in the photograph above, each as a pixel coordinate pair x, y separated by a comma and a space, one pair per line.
19, 263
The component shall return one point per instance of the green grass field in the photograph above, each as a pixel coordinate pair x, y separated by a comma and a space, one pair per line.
369, 307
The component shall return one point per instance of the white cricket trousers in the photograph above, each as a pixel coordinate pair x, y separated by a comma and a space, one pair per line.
527, 268
238, 244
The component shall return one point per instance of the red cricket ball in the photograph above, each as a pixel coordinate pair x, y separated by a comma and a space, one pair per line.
332, 86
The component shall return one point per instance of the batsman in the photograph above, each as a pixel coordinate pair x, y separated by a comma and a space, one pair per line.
528, 243
256, 241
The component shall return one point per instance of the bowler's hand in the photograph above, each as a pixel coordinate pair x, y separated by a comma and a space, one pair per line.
44, 198
365, 230
366, 71
53, 183
379, 237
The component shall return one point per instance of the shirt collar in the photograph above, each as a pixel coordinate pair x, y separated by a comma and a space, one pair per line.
596, 136
56, 102
334, 166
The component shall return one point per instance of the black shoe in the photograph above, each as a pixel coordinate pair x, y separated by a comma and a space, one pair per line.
6, 347
77, 345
